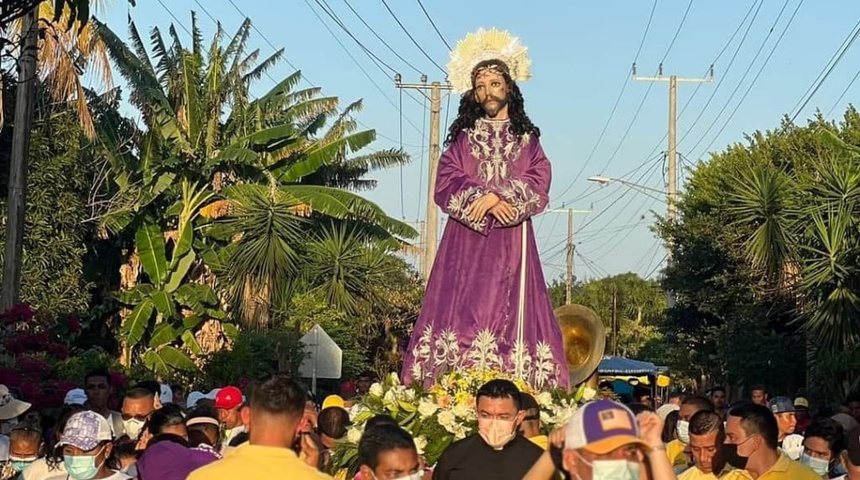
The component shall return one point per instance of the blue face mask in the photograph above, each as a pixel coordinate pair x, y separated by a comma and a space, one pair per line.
818, 465
22, 463
82, 467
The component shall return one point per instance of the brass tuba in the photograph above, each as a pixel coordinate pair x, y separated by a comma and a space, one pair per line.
584, 339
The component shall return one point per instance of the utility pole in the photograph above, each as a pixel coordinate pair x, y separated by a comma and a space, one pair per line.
615, 320
672, 150
16, 199
568, 278
431, 227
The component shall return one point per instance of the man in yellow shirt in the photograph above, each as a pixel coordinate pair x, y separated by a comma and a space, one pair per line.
530, 427
677, 449
276, 406
751, 444
706, 444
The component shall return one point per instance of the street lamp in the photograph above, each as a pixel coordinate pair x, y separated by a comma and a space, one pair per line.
645, 190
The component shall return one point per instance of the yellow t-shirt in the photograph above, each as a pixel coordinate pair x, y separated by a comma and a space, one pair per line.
786, 469
258, 463
677, 457
541, 441
728, 473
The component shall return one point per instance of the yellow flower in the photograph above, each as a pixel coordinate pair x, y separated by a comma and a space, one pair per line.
462, 398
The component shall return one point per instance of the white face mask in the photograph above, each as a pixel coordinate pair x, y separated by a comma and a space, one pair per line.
818, 465
612, 469
412, 476
132, 427
684, 431
615, 470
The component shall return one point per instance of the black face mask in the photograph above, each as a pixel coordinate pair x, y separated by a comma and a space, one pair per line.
730, 451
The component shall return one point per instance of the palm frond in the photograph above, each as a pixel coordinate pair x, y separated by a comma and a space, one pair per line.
257, 72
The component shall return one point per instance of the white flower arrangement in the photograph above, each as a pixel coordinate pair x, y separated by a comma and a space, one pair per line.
439, 415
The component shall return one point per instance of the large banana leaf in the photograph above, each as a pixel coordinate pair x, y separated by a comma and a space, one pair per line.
150, 248
135, 325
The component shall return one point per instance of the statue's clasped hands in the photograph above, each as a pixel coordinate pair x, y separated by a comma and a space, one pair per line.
495, 206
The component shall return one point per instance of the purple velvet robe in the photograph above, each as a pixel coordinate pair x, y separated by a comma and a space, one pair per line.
469, 316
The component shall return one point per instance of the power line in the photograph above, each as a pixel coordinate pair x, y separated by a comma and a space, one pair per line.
304, 78
728, 68
375, 59
614, 106
741, 81
846, 45
357, 63
324, 6
414, 42
841, 95
373, 31
758, 74
441, 37
645, 97
656, 267
678, 31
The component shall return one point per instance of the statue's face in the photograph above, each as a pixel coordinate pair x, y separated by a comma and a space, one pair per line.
491, 91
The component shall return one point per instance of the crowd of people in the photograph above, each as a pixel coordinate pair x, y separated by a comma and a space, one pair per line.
276, 430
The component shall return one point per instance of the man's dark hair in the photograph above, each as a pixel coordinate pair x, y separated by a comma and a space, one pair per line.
676, 394
150, 385
382, 439
670, 427
27, 432
705, 422
761, 387
530, 406
137, 393
470, 110
718, 389
167, 437
367, 374
757, 420
379, 420
333, 421
278, 395
830, 431
500, 388
239, 439
169, 415
98, 372
699, 401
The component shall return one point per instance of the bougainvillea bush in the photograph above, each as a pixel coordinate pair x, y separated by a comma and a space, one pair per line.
39, 358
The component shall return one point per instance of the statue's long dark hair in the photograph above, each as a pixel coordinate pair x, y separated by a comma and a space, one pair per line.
470, 110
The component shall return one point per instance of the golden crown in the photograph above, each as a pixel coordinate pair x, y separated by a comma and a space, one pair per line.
487, 45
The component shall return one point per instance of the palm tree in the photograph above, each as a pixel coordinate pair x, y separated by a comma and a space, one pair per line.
68, 54
203, 126
804, 239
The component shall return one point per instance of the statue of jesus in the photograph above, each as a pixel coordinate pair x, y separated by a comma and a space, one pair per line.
486, 306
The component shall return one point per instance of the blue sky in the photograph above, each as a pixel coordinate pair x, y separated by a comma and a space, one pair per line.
582, 54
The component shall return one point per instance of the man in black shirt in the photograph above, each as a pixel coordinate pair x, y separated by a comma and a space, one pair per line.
496, 452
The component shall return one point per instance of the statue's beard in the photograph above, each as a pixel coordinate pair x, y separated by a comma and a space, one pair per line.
493, 105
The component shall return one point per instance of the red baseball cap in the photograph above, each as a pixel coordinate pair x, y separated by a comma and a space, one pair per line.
228, 397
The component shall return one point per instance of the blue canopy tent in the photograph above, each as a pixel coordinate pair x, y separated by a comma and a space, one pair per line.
611, 366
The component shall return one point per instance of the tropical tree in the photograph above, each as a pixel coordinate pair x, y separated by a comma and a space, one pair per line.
766, 248
255, 154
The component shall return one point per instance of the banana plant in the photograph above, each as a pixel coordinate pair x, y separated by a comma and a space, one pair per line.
167, 307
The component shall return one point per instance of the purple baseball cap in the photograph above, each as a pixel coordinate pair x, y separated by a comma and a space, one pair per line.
601, 427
